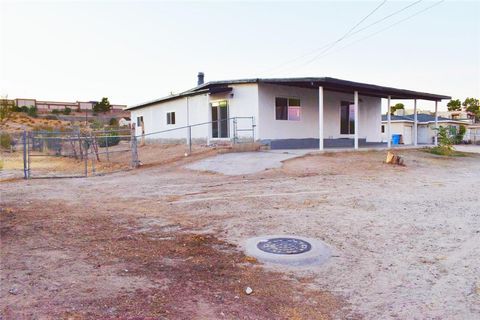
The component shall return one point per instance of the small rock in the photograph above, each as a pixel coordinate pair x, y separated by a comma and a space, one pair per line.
13, 291
248, 290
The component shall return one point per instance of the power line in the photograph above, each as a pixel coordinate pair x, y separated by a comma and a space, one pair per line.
334, 42
388, 27
360, 30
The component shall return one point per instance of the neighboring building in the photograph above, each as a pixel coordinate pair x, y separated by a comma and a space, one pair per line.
473, 133
124, 122
403, 125
53, 105
457, 115
288, 112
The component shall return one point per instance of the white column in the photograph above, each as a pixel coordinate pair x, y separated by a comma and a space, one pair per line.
436, 123
355, 110
415, 123
389, 123
320, 118
209, 126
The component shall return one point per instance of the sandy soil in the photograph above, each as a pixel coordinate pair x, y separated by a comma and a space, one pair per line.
167, 242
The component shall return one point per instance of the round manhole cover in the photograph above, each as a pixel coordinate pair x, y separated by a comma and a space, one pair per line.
284, 246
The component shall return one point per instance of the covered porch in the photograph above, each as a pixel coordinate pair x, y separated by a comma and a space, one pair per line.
346, 114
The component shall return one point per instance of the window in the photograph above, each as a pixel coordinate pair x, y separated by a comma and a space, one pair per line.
287, 109
347, 118
139, 121
383, 128
170, 117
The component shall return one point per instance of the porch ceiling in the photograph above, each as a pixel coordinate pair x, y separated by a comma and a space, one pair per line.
365, 89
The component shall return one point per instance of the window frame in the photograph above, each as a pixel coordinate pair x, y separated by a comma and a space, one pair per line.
171, 118
139, 121
351, 128
288, 106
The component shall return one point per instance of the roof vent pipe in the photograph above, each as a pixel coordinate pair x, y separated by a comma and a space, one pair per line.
201, 79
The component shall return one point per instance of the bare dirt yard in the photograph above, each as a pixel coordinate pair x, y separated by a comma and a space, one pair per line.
166, 242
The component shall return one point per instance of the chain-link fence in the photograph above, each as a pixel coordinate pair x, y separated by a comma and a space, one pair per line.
55, 154
11, 155
73, 153
170, 145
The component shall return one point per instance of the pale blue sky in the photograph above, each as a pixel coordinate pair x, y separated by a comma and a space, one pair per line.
133, 51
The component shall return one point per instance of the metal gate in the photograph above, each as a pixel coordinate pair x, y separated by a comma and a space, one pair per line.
56, 154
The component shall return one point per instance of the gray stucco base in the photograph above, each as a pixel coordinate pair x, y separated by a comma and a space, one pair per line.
312, 143
318, 254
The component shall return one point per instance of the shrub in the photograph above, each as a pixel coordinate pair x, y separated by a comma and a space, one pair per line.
67, 111
460, 134
56, 111
32, 111
113, 122
109, 138
446, 139
5, 140
96, 124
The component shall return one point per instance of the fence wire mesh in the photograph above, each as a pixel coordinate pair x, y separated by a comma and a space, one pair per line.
202, 138
57, 154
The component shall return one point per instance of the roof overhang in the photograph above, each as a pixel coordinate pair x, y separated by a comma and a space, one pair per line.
330, 84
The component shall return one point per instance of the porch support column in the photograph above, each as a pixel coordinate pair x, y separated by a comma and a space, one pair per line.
436, 123
320, 118
209, 126
415, 123
389, 122
355, 110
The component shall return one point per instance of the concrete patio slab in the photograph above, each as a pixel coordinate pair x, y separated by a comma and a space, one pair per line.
468, 148
244, 162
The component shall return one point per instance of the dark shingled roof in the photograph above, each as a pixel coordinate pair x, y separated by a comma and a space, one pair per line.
330, 84
421, 117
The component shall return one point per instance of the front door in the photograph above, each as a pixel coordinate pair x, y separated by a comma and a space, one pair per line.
219, 119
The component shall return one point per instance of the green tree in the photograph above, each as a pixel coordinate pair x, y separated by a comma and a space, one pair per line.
32, 111
460, 134
113, 122
67, 111
102, 106
472, 106
454, 105
398, 106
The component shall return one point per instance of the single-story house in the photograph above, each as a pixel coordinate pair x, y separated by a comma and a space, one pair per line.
286, 112
403, 125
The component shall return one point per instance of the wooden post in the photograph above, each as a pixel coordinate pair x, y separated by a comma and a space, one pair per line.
320, 118
355, 110
389, 125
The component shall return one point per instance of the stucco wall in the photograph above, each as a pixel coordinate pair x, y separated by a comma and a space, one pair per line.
243, 102
308, 127
426, 132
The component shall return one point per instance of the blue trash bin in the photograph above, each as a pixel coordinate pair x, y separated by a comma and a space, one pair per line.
395, 139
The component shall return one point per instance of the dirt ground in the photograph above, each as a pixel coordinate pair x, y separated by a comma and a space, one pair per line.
166, 242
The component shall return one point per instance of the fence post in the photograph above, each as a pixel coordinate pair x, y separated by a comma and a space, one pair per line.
189, 140
253, 129
235, 133
25, 168
134, 150
106, 143
84, 157
91, 147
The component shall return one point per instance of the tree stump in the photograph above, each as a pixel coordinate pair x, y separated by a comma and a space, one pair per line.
392, 158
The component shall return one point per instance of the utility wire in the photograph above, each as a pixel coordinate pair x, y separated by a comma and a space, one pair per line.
333, 42
328, 46
386, 28
360, 30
